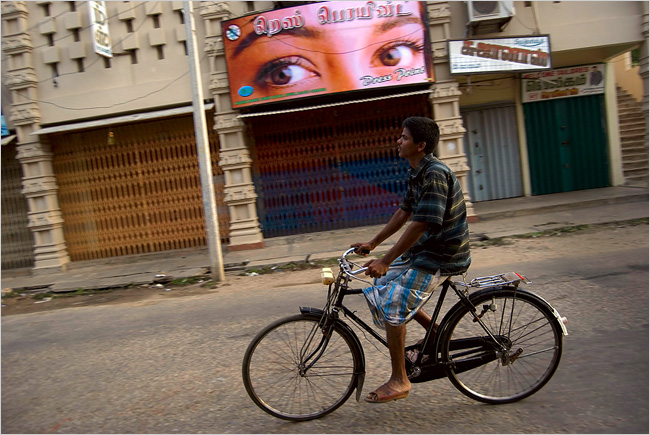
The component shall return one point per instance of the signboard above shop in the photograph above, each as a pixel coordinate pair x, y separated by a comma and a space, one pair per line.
99, 28
324, 48
487, 56
575, 81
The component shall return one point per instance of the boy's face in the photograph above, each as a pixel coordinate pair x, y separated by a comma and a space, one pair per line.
406, 147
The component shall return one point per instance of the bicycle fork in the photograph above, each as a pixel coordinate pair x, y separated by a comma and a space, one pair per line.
306, 363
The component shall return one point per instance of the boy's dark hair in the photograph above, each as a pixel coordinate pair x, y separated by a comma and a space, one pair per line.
423, 130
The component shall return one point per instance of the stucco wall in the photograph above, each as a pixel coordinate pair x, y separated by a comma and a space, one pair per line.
124, 87
571, 25
627, 77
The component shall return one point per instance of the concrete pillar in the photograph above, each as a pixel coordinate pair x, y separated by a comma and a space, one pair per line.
643, 67
39, 183
445, 99
235, 156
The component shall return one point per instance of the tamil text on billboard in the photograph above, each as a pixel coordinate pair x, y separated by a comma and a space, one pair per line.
485, 56
324, 48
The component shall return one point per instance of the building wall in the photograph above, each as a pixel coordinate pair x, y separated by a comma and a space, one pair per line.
55, 79
574, 42
627, 76
148, 69
571, 25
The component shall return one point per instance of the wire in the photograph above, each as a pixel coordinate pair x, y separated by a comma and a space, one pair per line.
68, 35
533, 8
345, 52
98, 58
117, 104
342, 103
48, 18
6, 57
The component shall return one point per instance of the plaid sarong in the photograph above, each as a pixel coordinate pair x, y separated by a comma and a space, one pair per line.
396, 296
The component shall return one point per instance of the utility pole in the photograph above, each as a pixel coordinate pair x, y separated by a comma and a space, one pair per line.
203, 150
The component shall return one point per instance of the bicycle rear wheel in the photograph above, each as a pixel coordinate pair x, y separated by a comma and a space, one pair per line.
292, 371
532, 346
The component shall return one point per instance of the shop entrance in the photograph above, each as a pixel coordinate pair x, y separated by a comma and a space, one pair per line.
331, 168
140, 193
567, 144
492, 149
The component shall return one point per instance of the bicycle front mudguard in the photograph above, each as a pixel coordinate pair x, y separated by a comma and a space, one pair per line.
360, 372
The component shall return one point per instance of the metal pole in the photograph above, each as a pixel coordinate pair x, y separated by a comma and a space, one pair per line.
203, 150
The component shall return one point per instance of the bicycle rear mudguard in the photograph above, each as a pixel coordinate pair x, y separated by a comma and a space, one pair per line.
562, 321
361, 374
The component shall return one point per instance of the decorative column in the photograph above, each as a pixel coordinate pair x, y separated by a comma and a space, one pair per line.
643, 67
39, 182
445, 99
235, 156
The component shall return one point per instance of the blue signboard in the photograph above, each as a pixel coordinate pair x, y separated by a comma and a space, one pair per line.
5, 130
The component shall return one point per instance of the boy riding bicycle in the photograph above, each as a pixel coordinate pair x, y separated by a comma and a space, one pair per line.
434, 246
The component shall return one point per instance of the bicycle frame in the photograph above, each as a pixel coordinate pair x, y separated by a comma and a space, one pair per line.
484, 347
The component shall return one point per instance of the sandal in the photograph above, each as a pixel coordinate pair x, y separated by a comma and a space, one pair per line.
390, 395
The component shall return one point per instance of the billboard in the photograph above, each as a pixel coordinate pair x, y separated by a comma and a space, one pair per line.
484, 56
574, 81
324, 48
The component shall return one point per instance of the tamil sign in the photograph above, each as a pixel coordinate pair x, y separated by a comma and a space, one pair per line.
483, 56
99, 29
324, 48
562, 83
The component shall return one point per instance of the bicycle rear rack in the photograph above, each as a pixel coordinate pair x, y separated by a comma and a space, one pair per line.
496, 280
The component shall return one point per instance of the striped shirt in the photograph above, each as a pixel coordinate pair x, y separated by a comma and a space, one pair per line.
434, 196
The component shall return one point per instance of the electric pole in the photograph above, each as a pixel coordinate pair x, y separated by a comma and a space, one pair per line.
203, 150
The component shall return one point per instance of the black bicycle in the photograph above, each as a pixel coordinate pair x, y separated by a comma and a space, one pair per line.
498, 344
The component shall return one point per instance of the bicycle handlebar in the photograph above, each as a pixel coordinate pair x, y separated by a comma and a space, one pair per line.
346, 266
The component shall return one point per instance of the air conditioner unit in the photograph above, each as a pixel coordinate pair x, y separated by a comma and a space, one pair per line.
489, 11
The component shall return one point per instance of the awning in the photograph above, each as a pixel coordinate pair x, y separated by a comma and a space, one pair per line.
120, 120
322, 106
8, 139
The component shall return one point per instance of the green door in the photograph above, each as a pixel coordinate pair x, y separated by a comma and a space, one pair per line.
567, 144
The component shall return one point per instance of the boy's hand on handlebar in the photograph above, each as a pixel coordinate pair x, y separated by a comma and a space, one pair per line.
362, 248
376, 268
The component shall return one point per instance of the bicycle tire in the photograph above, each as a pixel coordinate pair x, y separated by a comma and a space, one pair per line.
522, 321
271, 368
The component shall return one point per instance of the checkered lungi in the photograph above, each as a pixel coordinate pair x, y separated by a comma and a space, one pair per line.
396, 296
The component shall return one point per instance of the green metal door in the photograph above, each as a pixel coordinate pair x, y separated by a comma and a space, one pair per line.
567, 144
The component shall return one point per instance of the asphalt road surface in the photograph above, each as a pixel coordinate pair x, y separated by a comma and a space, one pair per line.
174, 366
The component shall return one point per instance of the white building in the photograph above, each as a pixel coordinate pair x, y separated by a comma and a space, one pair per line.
104, 150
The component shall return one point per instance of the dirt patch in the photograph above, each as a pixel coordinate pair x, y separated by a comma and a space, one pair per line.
565, 242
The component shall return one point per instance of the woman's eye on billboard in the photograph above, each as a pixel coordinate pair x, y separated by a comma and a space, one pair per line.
324, 48
285, 72
399, 53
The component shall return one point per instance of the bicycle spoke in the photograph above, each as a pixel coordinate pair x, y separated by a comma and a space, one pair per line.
291, 372
531, 341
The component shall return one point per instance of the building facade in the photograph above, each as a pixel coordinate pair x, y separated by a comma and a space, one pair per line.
103, 162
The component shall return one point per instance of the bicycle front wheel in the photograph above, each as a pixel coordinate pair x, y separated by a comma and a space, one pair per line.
294, 371
528, 352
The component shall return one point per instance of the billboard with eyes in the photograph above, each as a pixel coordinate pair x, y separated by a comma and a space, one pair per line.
327, 47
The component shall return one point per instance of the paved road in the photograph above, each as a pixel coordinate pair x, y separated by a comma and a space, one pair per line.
174, 366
